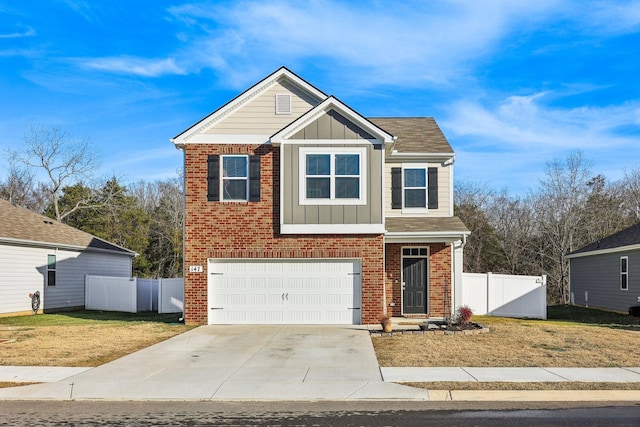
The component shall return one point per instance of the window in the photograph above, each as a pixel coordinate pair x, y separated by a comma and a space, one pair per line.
51, 270
235, 177
415, 252
624, 273
414, 188
332, 176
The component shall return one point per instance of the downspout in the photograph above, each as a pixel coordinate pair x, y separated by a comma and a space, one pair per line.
453, 287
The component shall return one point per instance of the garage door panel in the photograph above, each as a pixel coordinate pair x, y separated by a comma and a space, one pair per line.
284, 291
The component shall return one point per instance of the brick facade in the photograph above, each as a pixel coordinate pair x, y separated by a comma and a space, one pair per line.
439, 278
251, 230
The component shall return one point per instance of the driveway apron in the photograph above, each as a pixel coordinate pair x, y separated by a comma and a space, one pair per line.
229, 362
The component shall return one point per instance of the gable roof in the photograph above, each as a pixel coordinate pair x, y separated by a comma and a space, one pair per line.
22, 226
210, 120
414, 135
627, 239
331, 103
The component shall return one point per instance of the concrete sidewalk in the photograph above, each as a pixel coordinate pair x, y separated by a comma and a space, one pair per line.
518, 375
37, 374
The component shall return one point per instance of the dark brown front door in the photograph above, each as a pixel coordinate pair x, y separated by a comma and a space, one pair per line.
414, 293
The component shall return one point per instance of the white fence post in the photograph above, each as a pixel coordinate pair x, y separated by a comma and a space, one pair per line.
489, 284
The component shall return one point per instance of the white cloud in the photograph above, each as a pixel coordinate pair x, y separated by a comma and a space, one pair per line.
519, 120
132, 65
29, 32
620, 17
381, 42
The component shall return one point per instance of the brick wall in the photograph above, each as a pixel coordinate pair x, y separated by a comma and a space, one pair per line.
439, 278
251, 230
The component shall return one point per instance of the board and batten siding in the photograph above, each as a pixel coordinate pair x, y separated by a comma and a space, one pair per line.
23, 270
295, 213
258, 116
599, 275
444, 190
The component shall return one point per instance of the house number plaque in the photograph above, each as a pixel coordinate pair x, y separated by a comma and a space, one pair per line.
195, 269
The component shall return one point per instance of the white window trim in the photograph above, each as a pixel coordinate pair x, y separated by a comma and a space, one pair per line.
222, 178
424, 166
626, 273
302, 181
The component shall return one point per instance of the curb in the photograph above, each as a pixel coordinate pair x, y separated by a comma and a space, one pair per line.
535, 396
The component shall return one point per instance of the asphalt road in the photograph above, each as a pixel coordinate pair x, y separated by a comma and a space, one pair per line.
76, 413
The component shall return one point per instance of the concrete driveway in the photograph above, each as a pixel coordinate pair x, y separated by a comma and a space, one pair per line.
283, 362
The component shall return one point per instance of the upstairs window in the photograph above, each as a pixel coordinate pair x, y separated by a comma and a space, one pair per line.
332, 176
233, 178
624, 273
414, 188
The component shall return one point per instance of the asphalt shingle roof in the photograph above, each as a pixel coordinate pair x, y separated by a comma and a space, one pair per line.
20, 224
425, 225
627, 237
414, 134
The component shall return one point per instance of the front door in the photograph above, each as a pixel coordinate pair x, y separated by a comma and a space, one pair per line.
414, 281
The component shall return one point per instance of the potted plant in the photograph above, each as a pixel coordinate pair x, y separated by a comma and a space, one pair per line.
385, 322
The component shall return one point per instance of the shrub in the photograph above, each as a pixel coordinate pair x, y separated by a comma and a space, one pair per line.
464, 314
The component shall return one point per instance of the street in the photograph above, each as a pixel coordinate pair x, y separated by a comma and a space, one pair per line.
200, 413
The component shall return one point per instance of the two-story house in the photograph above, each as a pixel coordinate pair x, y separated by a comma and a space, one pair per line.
300, 210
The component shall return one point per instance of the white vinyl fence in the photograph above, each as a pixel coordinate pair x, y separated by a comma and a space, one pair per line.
505, 295
131, 294
171, 296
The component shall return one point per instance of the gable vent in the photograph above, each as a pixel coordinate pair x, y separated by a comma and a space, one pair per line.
283, 103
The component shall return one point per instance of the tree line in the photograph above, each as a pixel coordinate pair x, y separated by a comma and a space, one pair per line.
145, 217
531, 234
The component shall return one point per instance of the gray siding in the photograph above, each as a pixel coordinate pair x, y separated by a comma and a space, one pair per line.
332, 125
294, 213
600, 276
23, 270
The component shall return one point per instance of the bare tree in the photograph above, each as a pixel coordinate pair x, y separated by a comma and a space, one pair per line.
63, 159
631, 194
559, 205
513, 221
164, 202
482, 252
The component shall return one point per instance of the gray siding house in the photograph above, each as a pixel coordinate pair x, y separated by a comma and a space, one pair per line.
44, 255
606, 273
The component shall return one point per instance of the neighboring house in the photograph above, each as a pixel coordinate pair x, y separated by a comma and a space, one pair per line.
44, 255
300, 210
606, 273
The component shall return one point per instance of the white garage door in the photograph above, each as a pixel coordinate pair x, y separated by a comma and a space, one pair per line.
284, 291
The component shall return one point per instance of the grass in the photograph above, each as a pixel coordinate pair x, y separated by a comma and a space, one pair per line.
82, 338
571, 337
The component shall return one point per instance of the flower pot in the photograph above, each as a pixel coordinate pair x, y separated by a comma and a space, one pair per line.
387, 326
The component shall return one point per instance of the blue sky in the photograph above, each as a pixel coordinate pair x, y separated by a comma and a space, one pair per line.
513, 84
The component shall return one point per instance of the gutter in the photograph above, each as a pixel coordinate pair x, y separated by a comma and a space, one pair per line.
604, 251
52, 245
